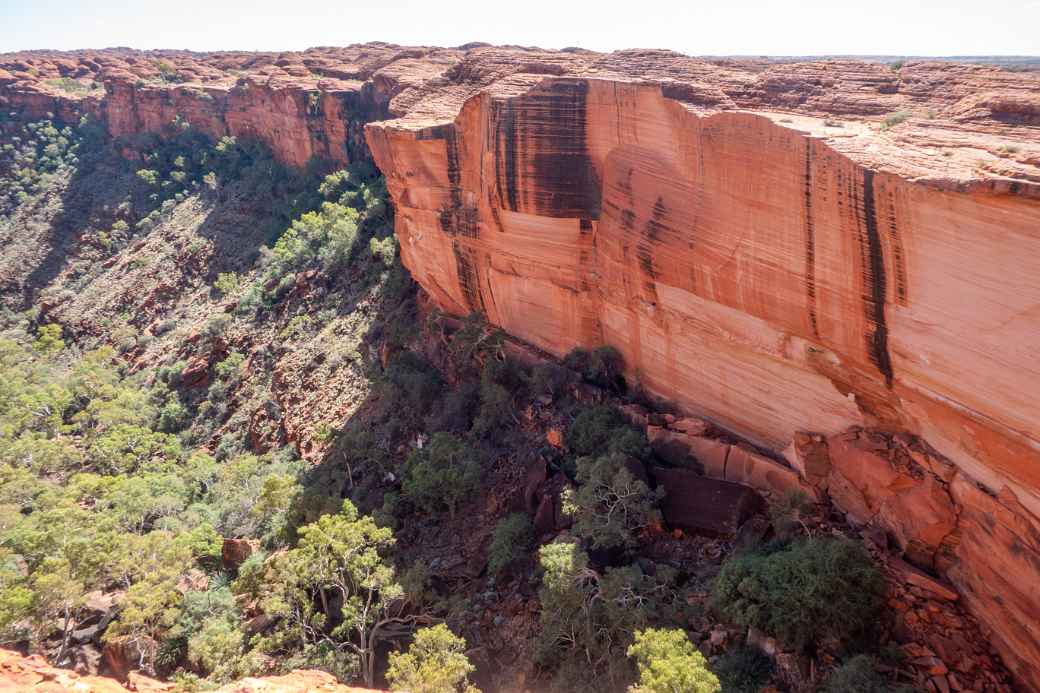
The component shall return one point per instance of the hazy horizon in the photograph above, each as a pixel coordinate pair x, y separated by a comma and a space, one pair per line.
741, 28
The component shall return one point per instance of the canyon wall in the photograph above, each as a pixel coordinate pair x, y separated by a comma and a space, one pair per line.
304, 106
779, 247
774, 269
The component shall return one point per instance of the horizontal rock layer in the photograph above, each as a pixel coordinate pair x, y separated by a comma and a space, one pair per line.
795, 267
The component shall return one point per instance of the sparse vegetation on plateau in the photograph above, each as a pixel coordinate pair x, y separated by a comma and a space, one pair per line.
894, 119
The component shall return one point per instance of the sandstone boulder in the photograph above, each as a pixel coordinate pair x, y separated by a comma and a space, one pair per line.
916, 509
697, 504
759, 472
235, 551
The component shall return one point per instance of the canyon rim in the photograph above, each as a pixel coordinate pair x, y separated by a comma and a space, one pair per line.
836, 261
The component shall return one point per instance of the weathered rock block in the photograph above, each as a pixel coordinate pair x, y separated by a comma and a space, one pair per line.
698, 504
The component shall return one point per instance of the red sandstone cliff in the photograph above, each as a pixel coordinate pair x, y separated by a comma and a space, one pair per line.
758, 245
303, 105
767, 253
19, 674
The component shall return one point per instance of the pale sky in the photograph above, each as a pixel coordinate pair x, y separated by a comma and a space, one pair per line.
718, 27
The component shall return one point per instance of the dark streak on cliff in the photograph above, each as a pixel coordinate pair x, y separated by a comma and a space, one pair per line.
506, 139
874, 283
810, 243
561, 160
467, 278
645, 248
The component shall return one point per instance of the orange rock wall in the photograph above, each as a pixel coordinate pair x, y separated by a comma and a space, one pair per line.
758, 248
297, 124
748, 270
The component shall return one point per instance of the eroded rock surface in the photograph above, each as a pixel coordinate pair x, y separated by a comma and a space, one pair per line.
773, 248
777, 248
303, 105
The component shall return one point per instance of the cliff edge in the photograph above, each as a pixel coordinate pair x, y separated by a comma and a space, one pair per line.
780, 248
783, 248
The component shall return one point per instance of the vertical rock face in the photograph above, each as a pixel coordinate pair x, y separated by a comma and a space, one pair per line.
304, 106
782, 248
773, 272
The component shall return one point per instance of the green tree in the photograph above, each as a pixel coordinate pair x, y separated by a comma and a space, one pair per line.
602, 429
335, 593
16, 598
434, 663
669, 663
58, 597
588, 619
151, 566
513, 534
602, 366
216, 648
48, 341
807, 590
611, 506
442, 473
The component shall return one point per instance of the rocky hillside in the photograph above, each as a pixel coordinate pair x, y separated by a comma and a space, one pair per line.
812, 283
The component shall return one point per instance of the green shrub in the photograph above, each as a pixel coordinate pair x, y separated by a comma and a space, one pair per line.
611, 506
384, 249
859, 675
803, 592
215, 649
603, 366
441, 474
602, 429
173, 416
894, 119
457, 410
745, 669
434, 663
227, 283
668, 662
48, 340
412, 385
499, 380
512, 536
171, 375
548, 379
150, 177
228, 368
217, 325
496, 410
788, 512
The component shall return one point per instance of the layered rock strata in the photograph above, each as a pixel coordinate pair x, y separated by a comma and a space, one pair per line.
776, 247
304, 106
771, 252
